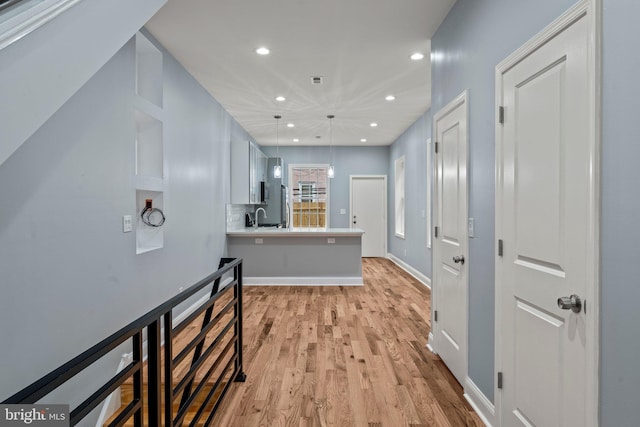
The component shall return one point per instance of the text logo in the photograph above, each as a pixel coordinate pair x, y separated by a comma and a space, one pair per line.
34, 415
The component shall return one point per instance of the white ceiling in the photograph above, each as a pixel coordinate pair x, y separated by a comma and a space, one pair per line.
361, 48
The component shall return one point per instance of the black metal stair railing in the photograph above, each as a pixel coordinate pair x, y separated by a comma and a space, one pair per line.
157, 326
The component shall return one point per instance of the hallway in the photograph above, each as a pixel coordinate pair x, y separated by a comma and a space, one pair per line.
345, 356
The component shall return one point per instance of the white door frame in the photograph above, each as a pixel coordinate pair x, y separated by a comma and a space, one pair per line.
386, 216
592, 8
429, 167
463, 98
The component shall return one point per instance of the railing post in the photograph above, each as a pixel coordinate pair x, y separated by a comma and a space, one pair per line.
168, 369
237, 276
137, 379
153, 372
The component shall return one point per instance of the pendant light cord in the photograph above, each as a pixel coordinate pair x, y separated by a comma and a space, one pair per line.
277, 117
330, 117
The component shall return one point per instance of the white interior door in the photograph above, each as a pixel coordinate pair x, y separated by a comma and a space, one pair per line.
369, 213
544, 216
451, 242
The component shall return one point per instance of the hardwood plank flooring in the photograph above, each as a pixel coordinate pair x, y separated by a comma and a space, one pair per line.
343, 356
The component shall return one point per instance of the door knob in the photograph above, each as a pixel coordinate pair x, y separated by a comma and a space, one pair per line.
573, 303
459, 259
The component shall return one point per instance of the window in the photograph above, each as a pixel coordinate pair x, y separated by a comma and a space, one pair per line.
307, 191
399, 191
310, 195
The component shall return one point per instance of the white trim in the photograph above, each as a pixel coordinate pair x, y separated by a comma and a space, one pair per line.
429, 167
594, 15
593, 11
430, 343
479, 402
412, 271
31, 19
462, 99
399, 200
386, 203
113, 402
303, 281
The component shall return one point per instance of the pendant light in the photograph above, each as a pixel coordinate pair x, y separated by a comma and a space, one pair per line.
331, 172
277, 169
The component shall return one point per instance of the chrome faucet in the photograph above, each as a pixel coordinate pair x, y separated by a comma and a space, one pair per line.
255, 223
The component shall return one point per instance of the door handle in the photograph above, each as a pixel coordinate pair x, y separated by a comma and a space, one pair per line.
459, 259
573, 303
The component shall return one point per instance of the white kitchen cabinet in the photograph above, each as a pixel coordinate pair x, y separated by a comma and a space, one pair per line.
248, 170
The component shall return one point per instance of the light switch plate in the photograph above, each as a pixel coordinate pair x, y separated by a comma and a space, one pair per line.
343, 211
259, 241
331, 240
127, 224
472, 231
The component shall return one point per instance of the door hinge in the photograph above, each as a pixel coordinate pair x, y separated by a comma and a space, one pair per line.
500, 248
499, 380
436, 232
501, 114
435, 316
437, 148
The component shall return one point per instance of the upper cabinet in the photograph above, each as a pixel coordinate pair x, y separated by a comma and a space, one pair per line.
248, 172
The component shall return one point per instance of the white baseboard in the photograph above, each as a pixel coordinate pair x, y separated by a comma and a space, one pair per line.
412, 271
113, 401
480, 403
430, 346
303, 281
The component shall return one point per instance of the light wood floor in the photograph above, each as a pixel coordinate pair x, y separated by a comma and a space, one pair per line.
343, 356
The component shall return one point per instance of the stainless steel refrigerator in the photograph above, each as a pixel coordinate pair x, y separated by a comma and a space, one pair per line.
276, 196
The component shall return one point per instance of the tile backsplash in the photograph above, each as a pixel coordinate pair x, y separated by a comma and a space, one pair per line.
236, 216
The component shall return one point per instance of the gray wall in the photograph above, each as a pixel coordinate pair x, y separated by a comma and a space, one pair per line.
472, 40
70, 276
620, 274
37, 81
412, 145
347, 161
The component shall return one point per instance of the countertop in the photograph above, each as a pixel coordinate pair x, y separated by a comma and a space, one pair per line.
293, 232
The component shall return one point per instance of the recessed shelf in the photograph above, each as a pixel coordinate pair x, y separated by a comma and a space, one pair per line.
148, 70
149, 142
148, 238
149, 146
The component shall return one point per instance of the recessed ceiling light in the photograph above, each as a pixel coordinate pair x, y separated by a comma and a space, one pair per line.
417, 56
262, 51
296, 140
280, 98
390, 97
363, 140
290, 125
373, 125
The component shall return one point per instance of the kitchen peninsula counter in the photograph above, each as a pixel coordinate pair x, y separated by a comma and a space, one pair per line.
298, 256
283, 232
